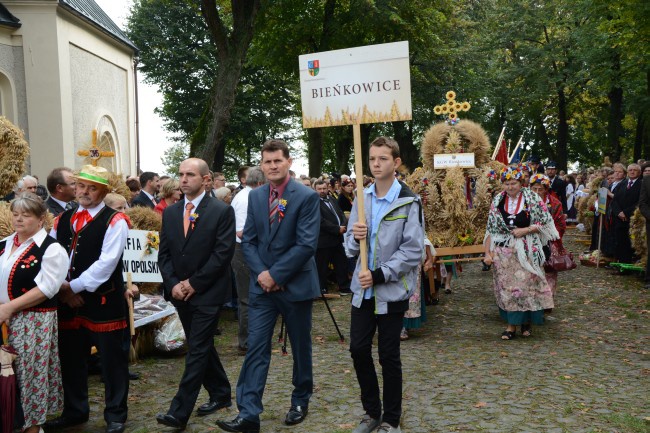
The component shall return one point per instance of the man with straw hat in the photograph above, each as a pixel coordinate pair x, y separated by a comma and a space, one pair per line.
92, 305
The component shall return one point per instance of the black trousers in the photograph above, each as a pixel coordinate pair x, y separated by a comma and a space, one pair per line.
623, 250
363, 324
202, 363
336, 256
113, 348
647, 240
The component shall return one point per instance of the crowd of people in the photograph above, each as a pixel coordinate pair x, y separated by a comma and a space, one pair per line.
274, 242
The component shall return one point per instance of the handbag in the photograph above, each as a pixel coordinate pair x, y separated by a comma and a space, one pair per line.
560, 262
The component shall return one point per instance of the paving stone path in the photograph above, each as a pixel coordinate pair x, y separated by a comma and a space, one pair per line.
586, 370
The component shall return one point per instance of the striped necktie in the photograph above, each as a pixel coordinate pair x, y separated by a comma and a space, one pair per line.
273, 207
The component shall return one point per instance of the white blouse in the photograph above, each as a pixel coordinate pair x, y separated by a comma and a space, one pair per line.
54, 266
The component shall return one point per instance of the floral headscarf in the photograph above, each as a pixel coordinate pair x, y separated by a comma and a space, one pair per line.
529, 247
541, 179
510, 173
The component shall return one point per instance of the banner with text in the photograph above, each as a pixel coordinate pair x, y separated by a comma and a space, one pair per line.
442, 161
141, 256
370, 83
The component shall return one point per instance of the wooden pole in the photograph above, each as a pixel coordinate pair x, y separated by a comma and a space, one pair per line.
496, 147
129, 282
361, 210
515, 149
600, 235
5, 334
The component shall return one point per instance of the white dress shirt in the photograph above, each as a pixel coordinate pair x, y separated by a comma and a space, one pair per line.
240, 206
112, 248
54, 266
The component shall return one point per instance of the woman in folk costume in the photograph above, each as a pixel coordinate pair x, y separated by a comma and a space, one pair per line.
32, 269
519, 225
541, 184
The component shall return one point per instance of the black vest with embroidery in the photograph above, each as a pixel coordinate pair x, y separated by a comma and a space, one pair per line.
104, 309
24, 272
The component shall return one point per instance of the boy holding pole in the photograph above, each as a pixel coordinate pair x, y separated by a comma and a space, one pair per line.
393, 228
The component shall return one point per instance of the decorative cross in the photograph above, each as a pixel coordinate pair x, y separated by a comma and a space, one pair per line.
94, 153
451, 108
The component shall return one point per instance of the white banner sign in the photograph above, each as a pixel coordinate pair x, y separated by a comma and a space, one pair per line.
141, 256
371, 84
442, 161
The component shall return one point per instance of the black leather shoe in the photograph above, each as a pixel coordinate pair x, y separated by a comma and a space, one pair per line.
239, 425
212, 406
296, 415
64, 421
170, 421
134, 376
115, 427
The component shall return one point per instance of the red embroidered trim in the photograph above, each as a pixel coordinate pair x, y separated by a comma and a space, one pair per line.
13, 271
41, 309
56, 222
82, 322
119, 217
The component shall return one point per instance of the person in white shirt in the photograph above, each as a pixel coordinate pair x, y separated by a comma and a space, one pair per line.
92, 302
254, 179
32, 268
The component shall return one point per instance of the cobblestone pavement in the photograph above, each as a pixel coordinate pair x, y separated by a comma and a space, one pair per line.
586, 370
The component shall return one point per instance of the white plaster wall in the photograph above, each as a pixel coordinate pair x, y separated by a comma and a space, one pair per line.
13, 67
62, 90
99, 88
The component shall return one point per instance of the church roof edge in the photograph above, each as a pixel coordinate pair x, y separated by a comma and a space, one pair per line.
7, 19
91, 12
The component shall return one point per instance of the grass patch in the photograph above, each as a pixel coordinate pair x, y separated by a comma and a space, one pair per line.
631, 423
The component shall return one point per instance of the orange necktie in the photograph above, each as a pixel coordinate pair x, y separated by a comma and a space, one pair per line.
186, 218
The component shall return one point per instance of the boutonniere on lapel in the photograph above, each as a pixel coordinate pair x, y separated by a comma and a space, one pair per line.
282, 206
193, 219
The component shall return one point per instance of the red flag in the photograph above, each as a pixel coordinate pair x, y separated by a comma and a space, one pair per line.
502, 154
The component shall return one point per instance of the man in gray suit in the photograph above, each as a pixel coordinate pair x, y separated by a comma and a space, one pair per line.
279, 243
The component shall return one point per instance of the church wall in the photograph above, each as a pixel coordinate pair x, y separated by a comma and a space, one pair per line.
13, 67
76, 79
100, 89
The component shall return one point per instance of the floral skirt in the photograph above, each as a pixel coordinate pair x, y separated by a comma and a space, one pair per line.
516, 289
416, 315
38, 370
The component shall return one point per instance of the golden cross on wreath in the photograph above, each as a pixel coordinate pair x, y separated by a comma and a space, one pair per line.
94, 153
451, 108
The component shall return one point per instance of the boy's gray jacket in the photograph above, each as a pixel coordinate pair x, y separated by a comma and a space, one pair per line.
397, 249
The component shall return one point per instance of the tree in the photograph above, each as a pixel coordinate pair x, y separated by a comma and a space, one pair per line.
173, 157
232, 45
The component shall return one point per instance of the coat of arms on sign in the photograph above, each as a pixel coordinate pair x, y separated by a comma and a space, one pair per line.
313, 66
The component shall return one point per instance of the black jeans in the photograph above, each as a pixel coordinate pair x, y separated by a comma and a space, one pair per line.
363, 324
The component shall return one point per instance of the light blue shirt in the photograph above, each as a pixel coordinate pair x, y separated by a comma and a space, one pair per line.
378, 207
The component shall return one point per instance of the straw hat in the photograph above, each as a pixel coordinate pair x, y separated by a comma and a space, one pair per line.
90, 173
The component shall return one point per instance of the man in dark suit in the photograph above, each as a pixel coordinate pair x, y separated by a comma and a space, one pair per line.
624, 203
196, 246
150, 183
330, 240
279, 242
558, 186
61, 186
644, 207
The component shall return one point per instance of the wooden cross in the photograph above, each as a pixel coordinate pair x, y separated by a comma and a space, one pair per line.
94, 153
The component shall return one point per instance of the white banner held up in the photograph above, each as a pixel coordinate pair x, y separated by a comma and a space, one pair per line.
367, 84
141, 256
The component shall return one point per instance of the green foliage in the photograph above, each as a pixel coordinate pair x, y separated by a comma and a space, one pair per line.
173, 157
571, 77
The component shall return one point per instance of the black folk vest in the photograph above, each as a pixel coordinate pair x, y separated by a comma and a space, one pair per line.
104, 309
24, 272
